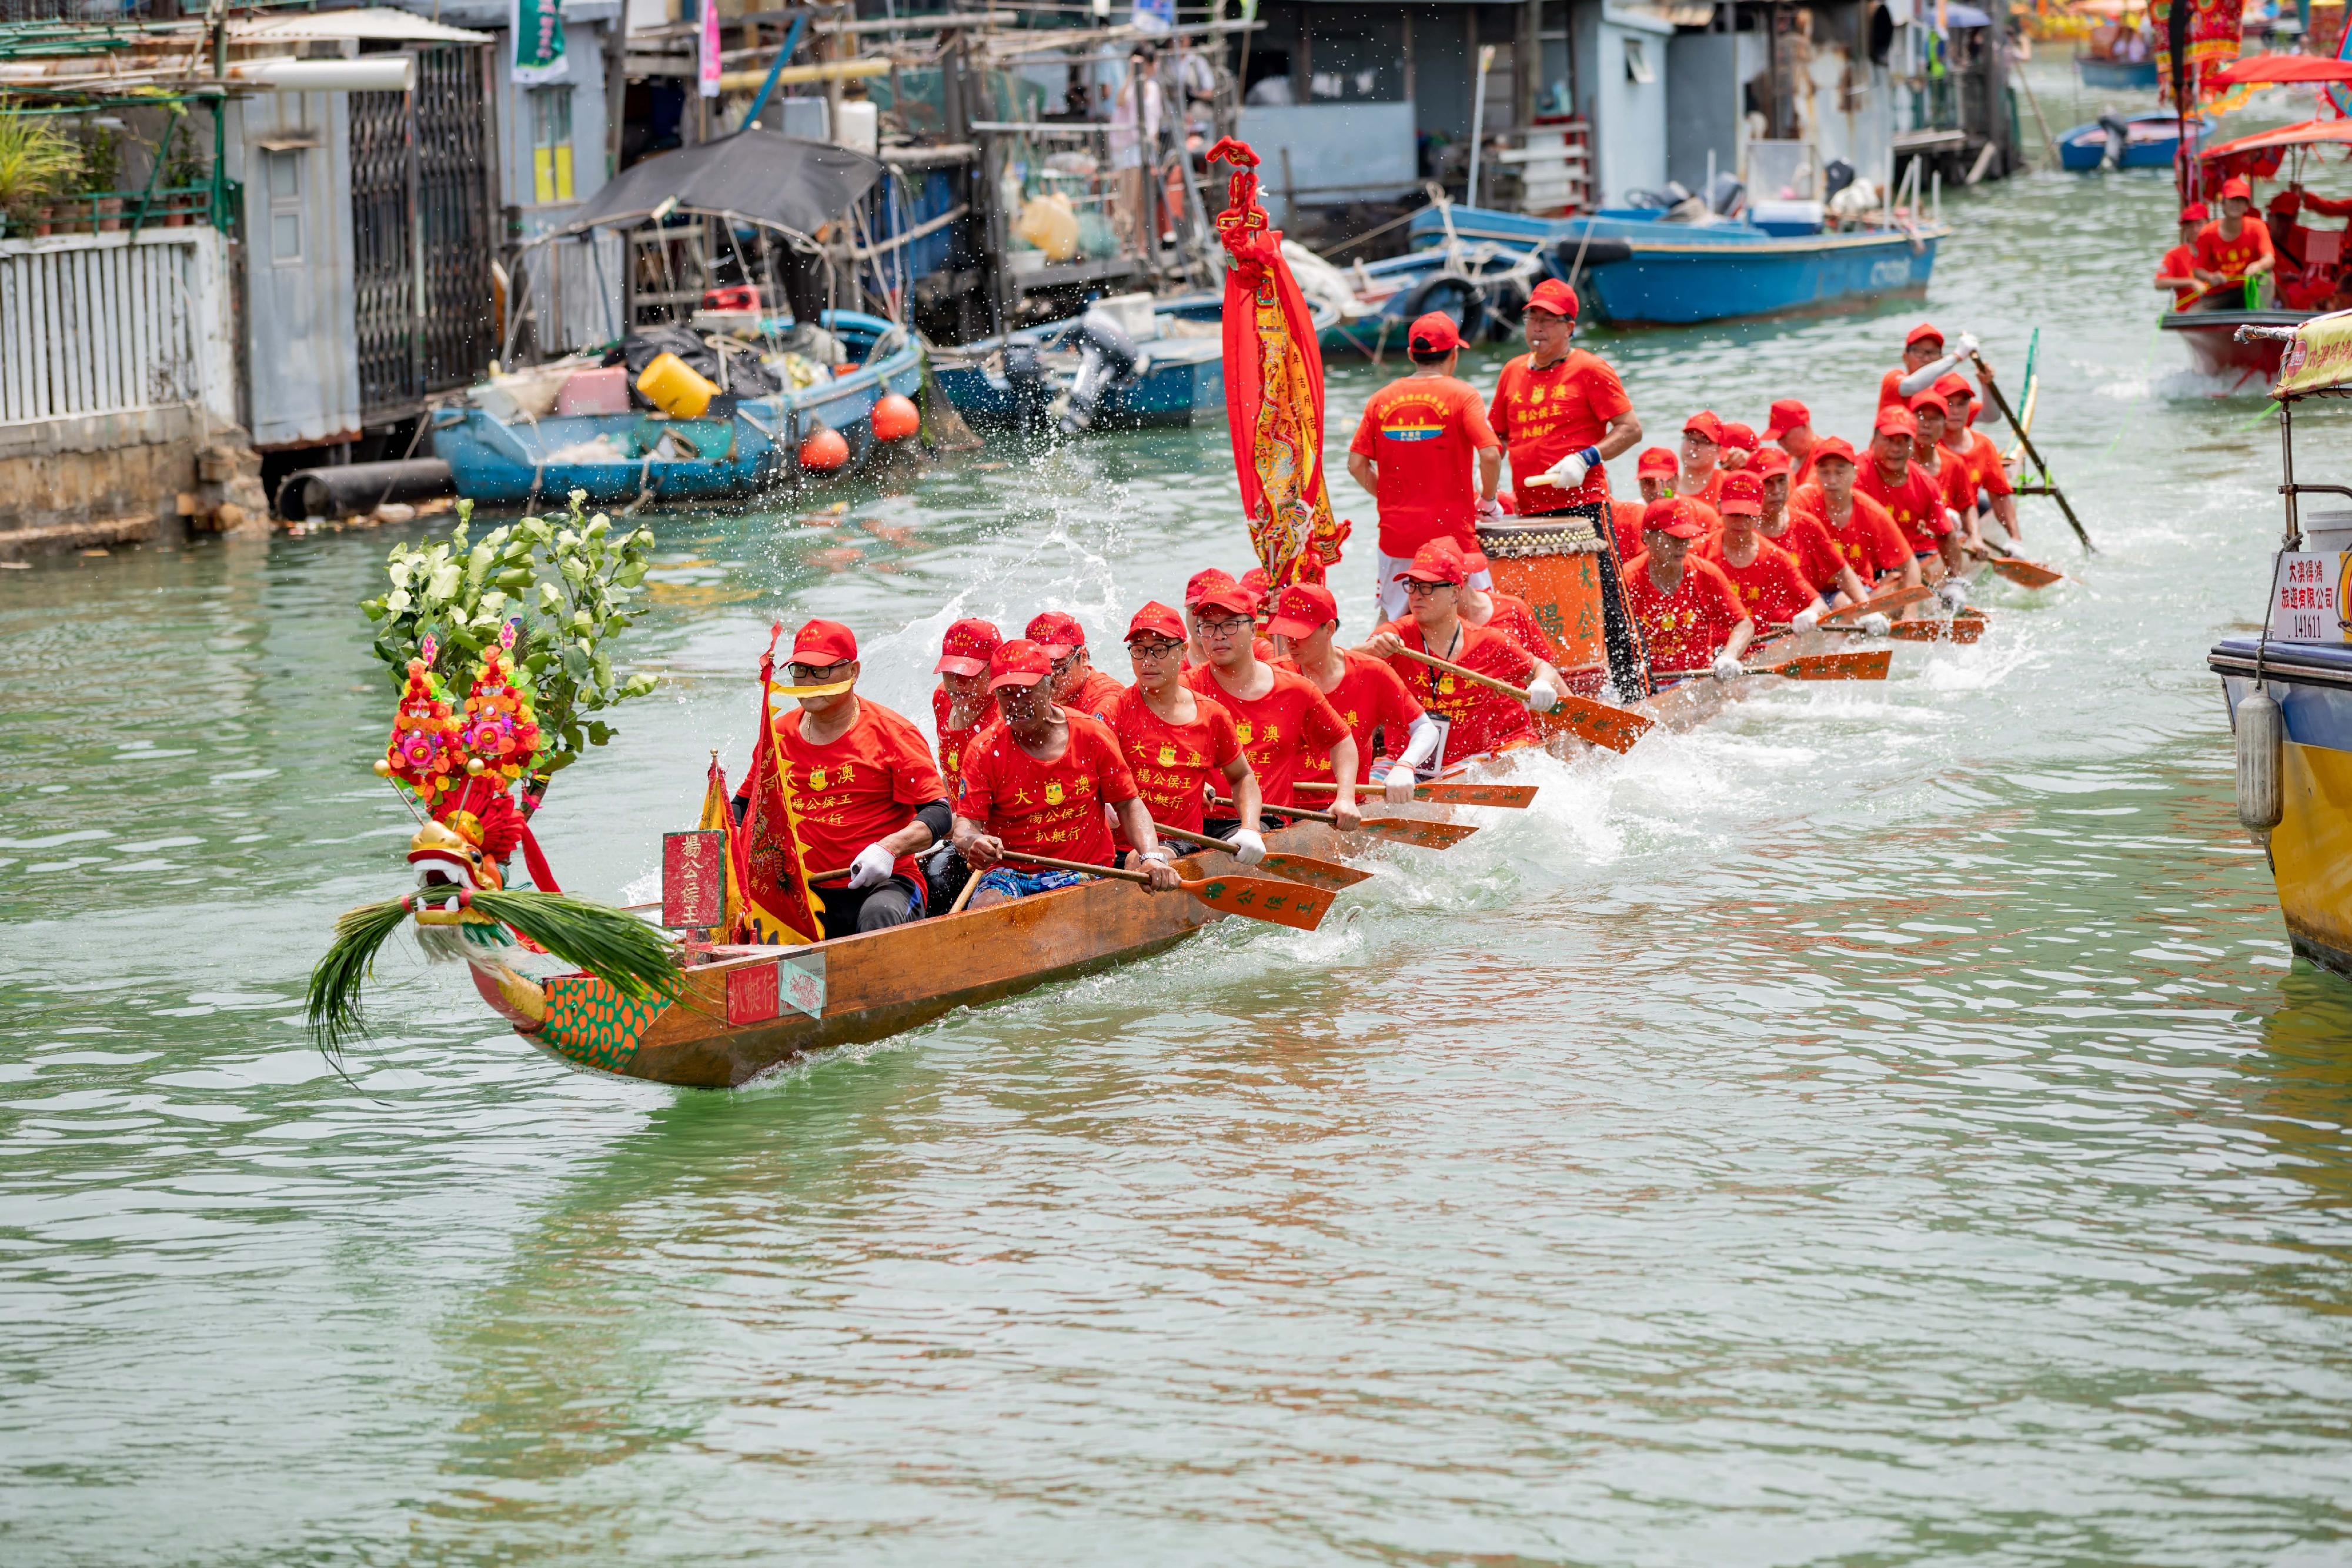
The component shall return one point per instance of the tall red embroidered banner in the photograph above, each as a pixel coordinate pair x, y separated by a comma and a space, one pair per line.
1273, 389
777, 905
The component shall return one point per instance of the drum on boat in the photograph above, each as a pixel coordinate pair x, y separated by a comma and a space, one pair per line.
1557, 563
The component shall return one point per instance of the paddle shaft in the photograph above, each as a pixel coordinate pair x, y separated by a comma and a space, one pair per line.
1892, 599
1451, 668
1111, 871
1311, 815
1992, 391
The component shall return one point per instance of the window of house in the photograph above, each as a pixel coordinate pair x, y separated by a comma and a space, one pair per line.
550, 144
1637, 63
283, 182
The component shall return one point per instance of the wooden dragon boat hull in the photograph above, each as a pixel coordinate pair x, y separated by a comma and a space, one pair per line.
751, 1009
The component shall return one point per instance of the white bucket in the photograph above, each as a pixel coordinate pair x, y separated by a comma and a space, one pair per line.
2328, 533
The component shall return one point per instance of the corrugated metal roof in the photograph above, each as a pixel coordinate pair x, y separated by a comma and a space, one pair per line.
375, 24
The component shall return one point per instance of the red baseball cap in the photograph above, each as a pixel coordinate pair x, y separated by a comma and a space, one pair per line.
1473, 562
1922, 333
1058, 635
1019, 663
1156, 619
2235, 185
1894, 420
1206, 582
1932, 398
1834, 449
1434, 333
965, 649
1767, 462
1786, 416
1233, 598
1743, 492
1657, 460
1740, 435
2196, 212
1437, 562
1304, 608
830, 642
1704, 425
1257, 582
1674, 516
1555, 296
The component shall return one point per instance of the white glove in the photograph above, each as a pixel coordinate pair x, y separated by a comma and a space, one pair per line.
1397, 787
1489, 510
872, 866
1806, 620
1569, 472
1954, 593
1249, 846
1726, 668
1968, 344
1542, 698
1876, 624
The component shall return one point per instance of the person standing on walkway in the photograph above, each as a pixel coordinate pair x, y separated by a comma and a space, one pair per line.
1412, 455
1561, 413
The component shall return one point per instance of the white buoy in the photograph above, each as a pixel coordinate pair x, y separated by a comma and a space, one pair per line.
2261, 735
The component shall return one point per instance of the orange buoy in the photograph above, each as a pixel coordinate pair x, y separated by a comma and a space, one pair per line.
824, 450
894, 418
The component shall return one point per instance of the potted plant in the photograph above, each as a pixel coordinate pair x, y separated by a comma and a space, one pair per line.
102, 167
37, 162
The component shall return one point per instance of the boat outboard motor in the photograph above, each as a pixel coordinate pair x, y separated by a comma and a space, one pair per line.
1727, 195
2119, 139
1107, 356
1031, 385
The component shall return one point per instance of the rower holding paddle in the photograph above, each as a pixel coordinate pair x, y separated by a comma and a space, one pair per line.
1803, 537
1176, 741
1369, 696
1913, 500
1791, 424
1077, 685
1924, 363
1976, 449
1036, 784
1859, 526
1474, 720
1771, 586
1955, 477
961, 708
862, 784
1279, 716
1689, 612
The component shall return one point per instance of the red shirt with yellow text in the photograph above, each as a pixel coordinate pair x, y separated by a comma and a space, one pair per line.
1279, 731
1172, 762
954, 741
863, 785
1915, 503
1542, 416
1805, 536
1869, 541
1685, 628
1369, 697
1771, 587
1047, 807
1424, 432
1477, 720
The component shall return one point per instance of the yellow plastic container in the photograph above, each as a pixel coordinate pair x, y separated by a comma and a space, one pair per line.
676, 388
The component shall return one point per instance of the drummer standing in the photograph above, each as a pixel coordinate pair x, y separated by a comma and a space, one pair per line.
1561, 413
1413, 456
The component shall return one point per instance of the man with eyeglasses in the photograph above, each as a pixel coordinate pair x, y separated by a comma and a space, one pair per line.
1279, 714
1473, 720
863, 784
1366, 693
1077, 685
1039, 783
1178, 741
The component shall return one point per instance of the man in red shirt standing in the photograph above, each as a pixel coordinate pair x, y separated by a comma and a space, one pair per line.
1912, 498
1077, 685
1689, 611
1791, 425
1771, 586
1178, 742
1473, 720
1279, 716
2236, 248
1412, 455
863, 785
1563, 413
1037, 784
1864, 534
1368, 695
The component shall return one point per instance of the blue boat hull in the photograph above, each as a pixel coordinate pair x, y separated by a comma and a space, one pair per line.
1170, 391
2116, 74
2154, 143
1681, 274
755, 451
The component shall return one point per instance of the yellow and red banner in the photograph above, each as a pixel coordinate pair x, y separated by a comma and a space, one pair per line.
1273, 389
766, 872
2194, 38
2319, 357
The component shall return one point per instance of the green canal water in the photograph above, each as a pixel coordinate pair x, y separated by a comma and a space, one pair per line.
1884, 1125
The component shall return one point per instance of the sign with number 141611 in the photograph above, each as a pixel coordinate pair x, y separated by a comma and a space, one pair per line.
2307, 603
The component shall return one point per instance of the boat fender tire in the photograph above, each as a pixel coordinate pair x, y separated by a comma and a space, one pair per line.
2261, 735
1599, 251
1458, 297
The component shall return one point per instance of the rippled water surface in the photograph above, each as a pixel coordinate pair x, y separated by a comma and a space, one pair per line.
1881, 1125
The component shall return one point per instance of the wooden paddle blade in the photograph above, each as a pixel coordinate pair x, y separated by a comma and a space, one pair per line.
1314, 873
2026, 573
1413, 831
1595, 724
1290, 903
1884, 604
1517, 797
1869, 664
1965, 627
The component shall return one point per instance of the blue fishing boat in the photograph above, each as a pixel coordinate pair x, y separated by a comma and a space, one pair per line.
2116, 76
1126, 362
647, 455
1483, 288
2144, 138
1637, 265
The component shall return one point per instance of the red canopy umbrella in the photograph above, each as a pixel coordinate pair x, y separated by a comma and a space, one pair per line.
2310, 133
2269, 68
